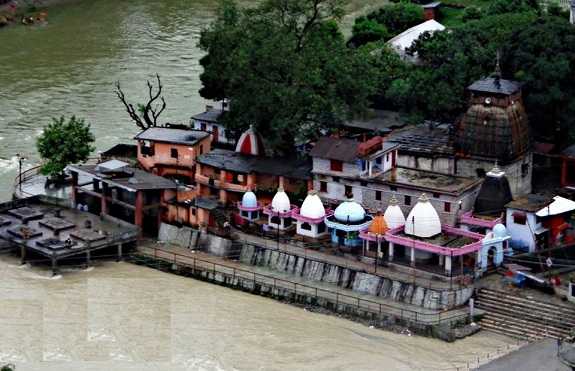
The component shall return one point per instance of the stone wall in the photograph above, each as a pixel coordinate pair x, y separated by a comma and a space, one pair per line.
360, 282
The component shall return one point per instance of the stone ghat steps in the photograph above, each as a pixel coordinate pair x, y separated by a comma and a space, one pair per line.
524, 318
520, 310
522, 327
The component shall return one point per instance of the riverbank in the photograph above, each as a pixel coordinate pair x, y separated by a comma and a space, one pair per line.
122, 317
26, 12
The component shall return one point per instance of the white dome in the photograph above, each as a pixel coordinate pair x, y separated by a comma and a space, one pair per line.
249, 199
394, 216
423, 220
281, 202
499, 231
349, 211
312, 207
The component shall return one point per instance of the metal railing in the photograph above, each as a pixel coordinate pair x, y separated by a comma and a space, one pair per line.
337, 298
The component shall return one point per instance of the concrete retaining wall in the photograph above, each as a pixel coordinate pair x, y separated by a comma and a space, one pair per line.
360, 282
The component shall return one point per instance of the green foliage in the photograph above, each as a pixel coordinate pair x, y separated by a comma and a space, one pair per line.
471, 13
542, 55
450, 61
8, 367
398, 17
63, 143
511, 6
286, 68
367, 30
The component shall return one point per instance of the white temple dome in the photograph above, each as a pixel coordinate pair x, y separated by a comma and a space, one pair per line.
394, 215
423, 220
349, 211
250, 200
312, 207
281, 202
499, 231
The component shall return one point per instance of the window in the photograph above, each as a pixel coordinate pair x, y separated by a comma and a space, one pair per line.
201, 149
336, 165
193, 210
519, 218
378, 195
348, 191
245, 214
321, 227
287, 222
436, 195
387, 157
174, 152
306, 226
378, 160
524, 170
335, 179
203, 126
363, 184
480, 173
407, 200
447, 207
322, 186
393, 188
275, 220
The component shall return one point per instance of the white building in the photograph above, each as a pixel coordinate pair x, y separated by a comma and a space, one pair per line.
209, 121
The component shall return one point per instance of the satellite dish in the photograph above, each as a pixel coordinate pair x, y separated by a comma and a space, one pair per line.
487, 100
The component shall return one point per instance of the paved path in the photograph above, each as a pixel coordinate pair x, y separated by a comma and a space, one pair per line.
540, 356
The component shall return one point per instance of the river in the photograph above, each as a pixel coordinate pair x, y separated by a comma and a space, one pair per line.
122, 317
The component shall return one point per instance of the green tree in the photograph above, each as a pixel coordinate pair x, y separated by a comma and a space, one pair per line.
512, 6
286, 68
63, 143
398, 17
450, 61
542, 56
367, 30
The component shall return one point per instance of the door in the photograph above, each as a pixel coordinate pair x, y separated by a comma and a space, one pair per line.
215, 133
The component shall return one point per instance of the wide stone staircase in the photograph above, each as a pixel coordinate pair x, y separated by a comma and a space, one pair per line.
523, 318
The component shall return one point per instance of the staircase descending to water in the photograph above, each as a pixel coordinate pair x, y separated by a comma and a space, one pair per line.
523, 318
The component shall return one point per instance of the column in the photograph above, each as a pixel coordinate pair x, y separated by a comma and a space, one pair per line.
391, 251
88, 258
103, 201
119, 252
441, 260
74, 193
412, 261
139, 212
448, 265
281, 182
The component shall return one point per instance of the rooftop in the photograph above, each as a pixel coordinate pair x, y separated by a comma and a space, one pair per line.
121, 150
428, 138
169, 135
126, 177
405, 39
211, 115
426, 180
531, 203
342, 149
241, 163
495, 86
381, 121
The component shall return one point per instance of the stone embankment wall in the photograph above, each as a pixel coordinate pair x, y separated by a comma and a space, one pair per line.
360, 282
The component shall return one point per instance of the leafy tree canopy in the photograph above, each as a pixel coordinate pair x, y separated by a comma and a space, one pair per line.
286, 68
63, 143
542, 56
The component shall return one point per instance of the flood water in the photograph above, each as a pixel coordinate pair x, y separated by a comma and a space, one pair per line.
119, 316
122, 317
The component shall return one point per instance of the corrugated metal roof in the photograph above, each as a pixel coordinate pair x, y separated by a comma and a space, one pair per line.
495, 86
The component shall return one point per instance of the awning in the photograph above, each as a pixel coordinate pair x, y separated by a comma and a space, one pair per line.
559, 205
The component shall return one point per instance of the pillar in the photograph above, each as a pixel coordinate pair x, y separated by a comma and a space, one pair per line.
448, 265
281, 182
391, 251
103, 200
87, 258
251, 181
139, 212
119, 252
310, 185
412, 261
563, 172
441, 260
222, 178
223, 196
23, 254
74, 191
54, 266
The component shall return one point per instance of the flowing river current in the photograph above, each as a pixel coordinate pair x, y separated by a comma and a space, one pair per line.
117, 316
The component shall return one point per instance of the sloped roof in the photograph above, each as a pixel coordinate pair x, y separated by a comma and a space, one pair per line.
495, 86
429, 139
341, 149
559, 205
405, 39
212, 115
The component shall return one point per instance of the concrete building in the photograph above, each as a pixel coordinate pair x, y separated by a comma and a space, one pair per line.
494, 129
368, 172
209, 121
172, 152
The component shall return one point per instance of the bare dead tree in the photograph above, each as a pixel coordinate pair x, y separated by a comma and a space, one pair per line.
145, 115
